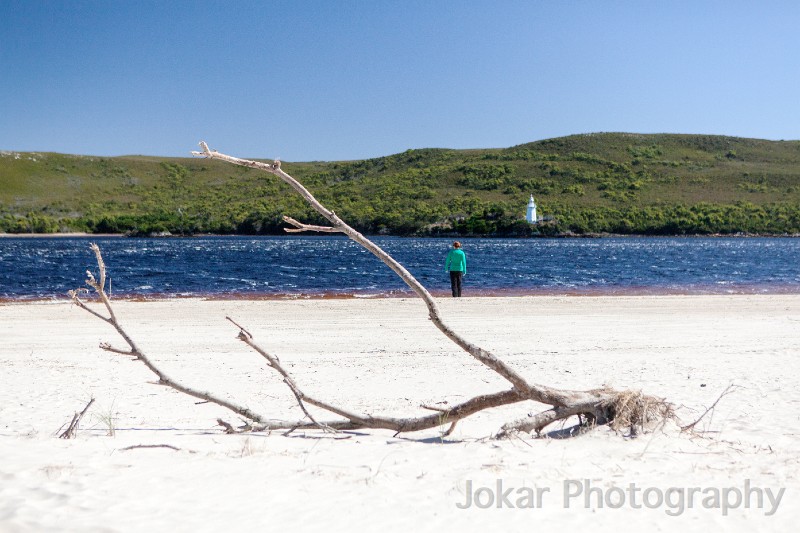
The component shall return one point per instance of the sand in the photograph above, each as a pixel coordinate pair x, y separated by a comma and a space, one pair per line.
383, 356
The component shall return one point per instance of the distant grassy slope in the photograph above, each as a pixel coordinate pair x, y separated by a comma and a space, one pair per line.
611, 182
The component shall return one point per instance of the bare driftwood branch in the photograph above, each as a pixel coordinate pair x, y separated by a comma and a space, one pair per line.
72, 429
620, 410
273, 361
299, 227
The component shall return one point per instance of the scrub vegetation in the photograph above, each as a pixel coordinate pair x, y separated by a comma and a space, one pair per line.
583, 184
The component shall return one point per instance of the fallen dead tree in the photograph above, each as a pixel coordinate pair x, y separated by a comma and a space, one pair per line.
621, 410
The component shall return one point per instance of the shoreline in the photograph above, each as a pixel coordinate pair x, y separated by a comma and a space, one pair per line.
589, 292
68, 235
75, 235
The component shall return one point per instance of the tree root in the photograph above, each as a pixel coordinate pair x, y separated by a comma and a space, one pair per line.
620, 410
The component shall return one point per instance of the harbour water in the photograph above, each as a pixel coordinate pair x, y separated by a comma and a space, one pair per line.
292, 266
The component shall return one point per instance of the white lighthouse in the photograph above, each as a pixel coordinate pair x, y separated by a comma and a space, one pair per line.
531, 215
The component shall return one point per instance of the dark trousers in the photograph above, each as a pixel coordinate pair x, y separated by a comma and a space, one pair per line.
455, 282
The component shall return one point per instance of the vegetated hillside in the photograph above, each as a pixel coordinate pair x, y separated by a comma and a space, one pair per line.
607, 182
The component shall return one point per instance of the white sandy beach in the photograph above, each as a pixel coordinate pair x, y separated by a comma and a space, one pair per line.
384, 356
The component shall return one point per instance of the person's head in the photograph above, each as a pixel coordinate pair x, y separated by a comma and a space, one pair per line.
456, 245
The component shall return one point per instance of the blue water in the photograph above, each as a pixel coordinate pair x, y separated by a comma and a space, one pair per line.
280, 266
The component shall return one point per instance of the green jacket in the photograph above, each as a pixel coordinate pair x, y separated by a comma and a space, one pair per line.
456, 261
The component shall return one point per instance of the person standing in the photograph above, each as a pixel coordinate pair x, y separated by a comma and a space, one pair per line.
456, 265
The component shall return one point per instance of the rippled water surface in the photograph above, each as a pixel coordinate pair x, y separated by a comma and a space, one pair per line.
251, 266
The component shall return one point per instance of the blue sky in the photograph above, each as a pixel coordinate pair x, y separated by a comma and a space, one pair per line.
314, 80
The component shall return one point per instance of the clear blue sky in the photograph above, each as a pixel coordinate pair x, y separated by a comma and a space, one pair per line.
313, 80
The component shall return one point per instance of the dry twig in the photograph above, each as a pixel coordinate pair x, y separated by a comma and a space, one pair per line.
728, 390
72, 430
149, 446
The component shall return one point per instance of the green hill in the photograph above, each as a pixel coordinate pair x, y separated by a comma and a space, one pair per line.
607, 182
